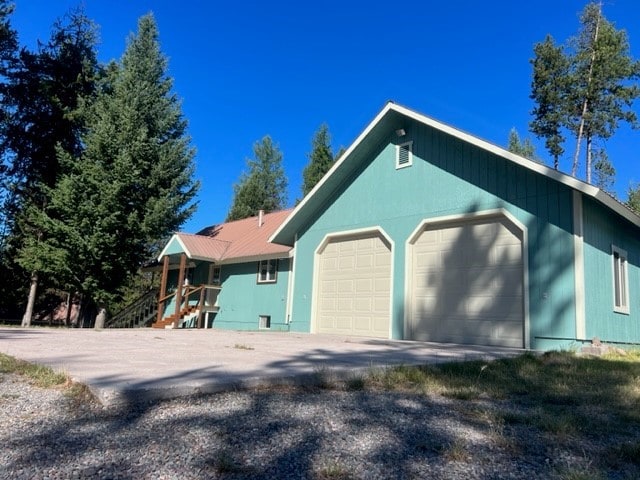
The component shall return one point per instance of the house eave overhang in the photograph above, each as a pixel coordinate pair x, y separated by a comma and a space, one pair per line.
255, 258
391, 117
174, 237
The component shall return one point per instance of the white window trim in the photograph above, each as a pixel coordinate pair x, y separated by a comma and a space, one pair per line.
268, 278
410, 162
622, 280
212, 276
264, 322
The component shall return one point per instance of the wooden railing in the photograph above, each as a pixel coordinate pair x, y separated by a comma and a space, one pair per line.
195, 299
139, 313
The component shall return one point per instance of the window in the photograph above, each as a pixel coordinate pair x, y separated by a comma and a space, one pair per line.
215, 275
404, 155
267, 271
620, 280
264, 322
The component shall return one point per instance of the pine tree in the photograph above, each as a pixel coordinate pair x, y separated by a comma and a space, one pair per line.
549, 90
523, 148
601, 95
8, 56
633, 200
132, 185
264, 186
603, 172
41, 100
586, 89
320, 159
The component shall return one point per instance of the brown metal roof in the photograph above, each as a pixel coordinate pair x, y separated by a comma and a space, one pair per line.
199, 246
236, 240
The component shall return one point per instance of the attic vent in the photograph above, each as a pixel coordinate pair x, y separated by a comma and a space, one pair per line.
404, 155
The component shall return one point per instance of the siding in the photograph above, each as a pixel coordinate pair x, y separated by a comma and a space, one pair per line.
242, 300
450, 177
601, 230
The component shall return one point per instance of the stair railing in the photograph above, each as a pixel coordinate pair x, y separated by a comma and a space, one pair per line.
139, 313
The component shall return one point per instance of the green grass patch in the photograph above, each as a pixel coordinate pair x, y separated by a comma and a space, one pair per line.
39, 375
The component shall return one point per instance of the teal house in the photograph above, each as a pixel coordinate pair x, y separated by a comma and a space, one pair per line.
423, 232
227, 276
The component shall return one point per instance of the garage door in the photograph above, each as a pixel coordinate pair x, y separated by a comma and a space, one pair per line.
467, 284
354, 287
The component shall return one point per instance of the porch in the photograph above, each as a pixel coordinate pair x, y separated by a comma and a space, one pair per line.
186, 298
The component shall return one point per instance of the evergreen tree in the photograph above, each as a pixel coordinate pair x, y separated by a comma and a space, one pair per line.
523, 148
264, 186
601, 96
549, 90
633, 200
41, 107
8, 56
130, 188
587, 91
320, 159
604, 172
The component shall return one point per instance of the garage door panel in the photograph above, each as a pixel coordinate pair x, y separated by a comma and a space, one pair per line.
362, 304
487, 307
328, 304
467, 284
361, 288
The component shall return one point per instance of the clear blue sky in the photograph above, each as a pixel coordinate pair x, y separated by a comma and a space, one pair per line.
247, 69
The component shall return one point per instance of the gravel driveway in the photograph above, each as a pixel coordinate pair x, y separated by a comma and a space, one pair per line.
270, 433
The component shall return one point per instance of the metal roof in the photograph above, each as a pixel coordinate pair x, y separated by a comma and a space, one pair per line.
233, 241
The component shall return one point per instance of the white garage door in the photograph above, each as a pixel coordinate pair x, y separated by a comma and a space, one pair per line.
467, 284
354, 287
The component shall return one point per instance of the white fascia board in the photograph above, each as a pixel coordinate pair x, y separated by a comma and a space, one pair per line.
335, 166
563, 178
254, 258
540, 168
175, 236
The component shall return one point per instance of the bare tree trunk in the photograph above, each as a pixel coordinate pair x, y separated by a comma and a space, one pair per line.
585, 104
67, 315
589, 156
28, 314
100, 318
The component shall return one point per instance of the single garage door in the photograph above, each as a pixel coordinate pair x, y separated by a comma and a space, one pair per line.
354, 287
467, 284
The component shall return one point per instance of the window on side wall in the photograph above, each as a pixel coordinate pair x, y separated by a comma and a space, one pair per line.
267, 271
620, 280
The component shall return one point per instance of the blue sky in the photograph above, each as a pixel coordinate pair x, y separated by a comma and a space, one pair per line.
247, 69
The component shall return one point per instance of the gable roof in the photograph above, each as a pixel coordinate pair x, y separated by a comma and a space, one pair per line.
393, 117
240, 240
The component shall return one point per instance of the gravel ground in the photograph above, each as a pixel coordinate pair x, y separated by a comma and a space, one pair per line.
272, 433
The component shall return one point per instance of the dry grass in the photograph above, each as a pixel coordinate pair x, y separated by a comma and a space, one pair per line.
46, 377
39, 375
569, 400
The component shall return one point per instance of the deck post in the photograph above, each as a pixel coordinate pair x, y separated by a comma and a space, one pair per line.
201, 306
183, 264
163, 287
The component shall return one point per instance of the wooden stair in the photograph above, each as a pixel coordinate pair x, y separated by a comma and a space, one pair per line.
140, 313
167, 322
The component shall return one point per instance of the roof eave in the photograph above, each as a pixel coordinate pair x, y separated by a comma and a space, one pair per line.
285, 236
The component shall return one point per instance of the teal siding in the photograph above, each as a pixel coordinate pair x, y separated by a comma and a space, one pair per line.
173, 248
450, 177
242, 300
601, 230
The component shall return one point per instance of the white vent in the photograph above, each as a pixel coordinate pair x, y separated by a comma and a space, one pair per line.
404, 155
264, 322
